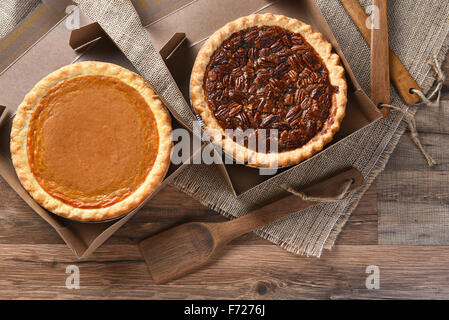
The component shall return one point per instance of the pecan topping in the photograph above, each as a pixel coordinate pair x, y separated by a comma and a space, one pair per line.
269, 78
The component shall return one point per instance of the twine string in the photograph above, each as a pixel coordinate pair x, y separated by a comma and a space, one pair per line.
340, 196
437, 91
410, 118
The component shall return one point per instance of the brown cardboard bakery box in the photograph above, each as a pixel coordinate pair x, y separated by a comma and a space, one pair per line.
47, 53
22, 67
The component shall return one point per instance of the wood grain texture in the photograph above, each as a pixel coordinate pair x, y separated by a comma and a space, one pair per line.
242, 272
20, 225
413, 200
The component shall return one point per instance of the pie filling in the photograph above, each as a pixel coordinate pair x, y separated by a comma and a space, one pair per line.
267, 77
92, 141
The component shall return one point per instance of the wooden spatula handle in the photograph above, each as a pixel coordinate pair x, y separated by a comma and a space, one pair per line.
380, 78
399, 75
226, 231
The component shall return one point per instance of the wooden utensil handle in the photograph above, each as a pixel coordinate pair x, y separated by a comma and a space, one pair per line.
399, 75
380, 78
286, 206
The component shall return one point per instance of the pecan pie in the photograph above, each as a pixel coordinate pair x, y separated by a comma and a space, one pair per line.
91, 141
264, 72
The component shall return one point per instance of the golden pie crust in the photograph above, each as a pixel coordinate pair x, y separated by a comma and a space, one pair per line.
82, 113
244, 154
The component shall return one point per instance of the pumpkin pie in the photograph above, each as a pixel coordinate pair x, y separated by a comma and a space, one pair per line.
269, 90
91, 141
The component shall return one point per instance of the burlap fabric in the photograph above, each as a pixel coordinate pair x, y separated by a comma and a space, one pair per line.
12, 12
418, 30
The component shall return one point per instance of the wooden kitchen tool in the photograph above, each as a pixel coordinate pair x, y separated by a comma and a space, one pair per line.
178, 251
399, 75
380, 71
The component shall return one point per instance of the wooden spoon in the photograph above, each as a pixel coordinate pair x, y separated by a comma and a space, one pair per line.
380, 68
182, 249
399, 75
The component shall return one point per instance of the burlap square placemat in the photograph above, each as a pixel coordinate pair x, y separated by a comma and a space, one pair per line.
418, 30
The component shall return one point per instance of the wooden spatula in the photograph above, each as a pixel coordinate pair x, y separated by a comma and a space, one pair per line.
399, 75
182, 249
380, 68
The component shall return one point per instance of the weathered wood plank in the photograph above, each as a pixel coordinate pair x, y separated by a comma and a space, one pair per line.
401, 224
407, 157
433, 120
20, 225
416, 188
361, 228
240, 272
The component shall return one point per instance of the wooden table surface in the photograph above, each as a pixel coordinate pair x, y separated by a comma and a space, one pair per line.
33, 259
